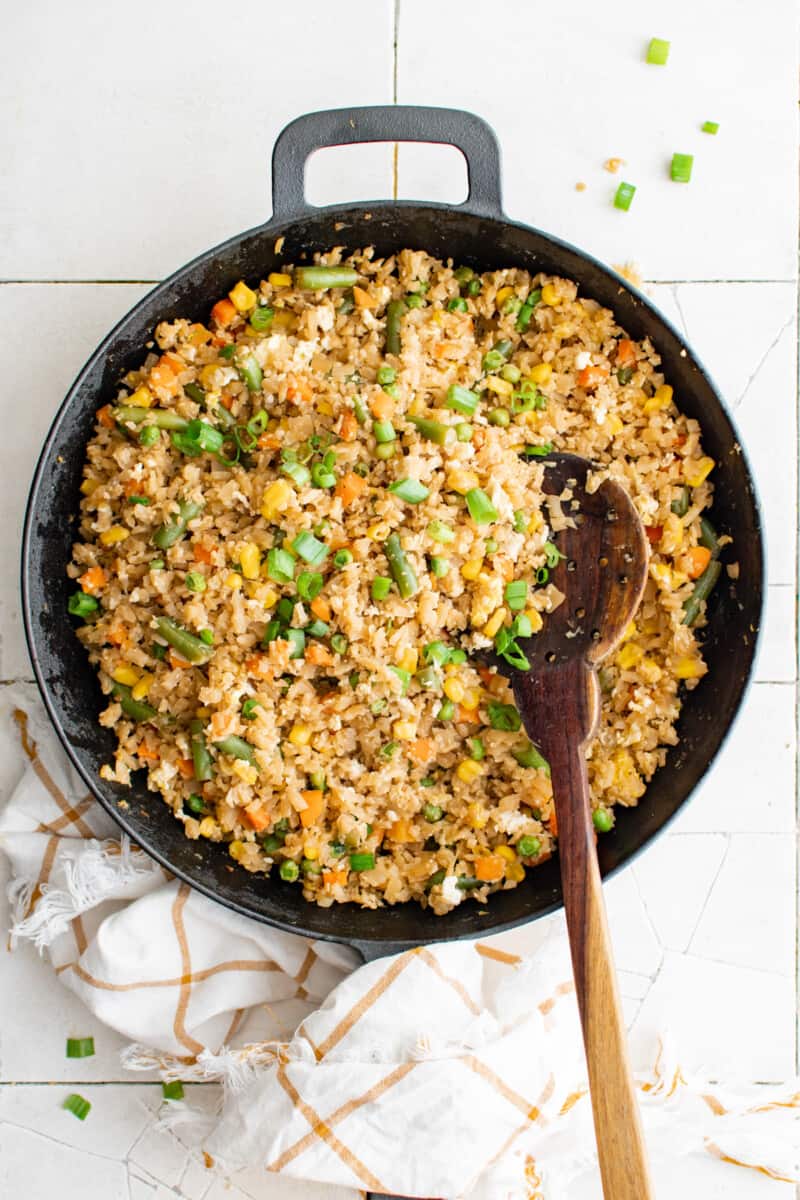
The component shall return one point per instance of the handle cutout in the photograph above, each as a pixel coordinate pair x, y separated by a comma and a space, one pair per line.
436, 172
344, 174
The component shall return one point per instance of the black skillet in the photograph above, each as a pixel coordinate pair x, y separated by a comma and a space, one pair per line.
475, 233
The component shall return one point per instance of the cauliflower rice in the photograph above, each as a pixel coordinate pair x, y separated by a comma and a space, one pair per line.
283, 591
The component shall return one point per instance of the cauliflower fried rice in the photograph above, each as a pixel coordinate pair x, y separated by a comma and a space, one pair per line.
301, 521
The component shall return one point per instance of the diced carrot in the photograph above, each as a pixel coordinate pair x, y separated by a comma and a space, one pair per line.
698, 559
218, 342
467, 715
258, 817
321, 608
258, 665
363, 299
269, 441
334, 876
117, 636
226, 400
680, 440
349, 426
105, 416
349, 487
93, 580
552, 822
401, 831
176, 661
315, 802
382, 407
421, 750
318, 655
173, 363
489, 868
162, 376
199, 335
626, 353
654, 533
223, 312
186, 768
298, 389
592, 375
202, 554
147, 752
442, 349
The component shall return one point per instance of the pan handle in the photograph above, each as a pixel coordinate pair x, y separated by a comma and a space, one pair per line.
386, 123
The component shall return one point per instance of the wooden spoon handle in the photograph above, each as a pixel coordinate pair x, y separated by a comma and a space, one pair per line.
618, 1130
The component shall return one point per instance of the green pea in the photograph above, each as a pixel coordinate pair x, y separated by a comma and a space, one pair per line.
603, 820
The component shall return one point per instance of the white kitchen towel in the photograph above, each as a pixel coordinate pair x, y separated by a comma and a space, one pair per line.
448, 1071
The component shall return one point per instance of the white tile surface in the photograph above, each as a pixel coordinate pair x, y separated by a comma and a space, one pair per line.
138, 136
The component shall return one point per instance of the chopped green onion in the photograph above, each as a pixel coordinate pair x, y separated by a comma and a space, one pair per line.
476, 749
440, 532
681, 168
481, 509
139, 500
342, 558
318, 279
538, 451
528, 847
297, 640
280, 565
710, 127
389, 751
207, 636
429, 679
381, 586
384, 431
436, 652
227, 351
362, 415
289, 871
81, 604
339, 643
516, 594
249, 708
439, 566
237, 747
503, 717
491, 545
261, 317
78, 1106
658, 52
385, 450
529, 756
395, 310
624, 196
174, 1089
446, 711
310, 549
552, 554
298, 474
542, 576
432, 812
461, 399
433, 431
520, 520
603, 820
464, 432
400, 567
309, 585
404, 677
506, 647
410, 490
80, 1047
321, 477
362, 862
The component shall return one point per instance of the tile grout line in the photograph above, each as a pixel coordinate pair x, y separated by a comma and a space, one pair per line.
36, 282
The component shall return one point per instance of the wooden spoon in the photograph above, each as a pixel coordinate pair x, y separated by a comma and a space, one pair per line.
602, 576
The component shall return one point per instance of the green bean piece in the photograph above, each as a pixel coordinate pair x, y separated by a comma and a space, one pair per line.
466, 883
172, 531
237, 747
702, 590
318, 279
400, 567
395, 311
680, 505
708, 537
195, 392
433, 431
203, 767
260, 318
162, 418
192, 648
137, 710
435, 879
250, 371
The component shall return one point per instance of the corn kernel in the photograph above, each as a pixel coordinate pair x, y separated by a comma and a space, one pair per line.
459, 480
142, 397
495, 621
379, 532
89, 485
535, 618
472, 698
515, 872
550, 295
541, 373
660, 400
310, 850
630, 632
142, 687
697, 470
242, 297
234, 581
503, 294
672, 535
500, 386
404, 731
454, 689
506, 852
236, 851
401, 831
126, 676
113, 535
629, 656
300, 735
208, 375
476, 814
689, 668
409, 660
269, 597
613, 425
279, 279
472, 569
662, 573
250, 560
275, 499
535, 522
649, 670
208, 827
247, 772
417, 407
325, 408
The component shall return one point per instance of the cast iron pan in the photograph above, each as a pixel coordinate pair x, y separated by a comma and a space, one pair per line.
475, 233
